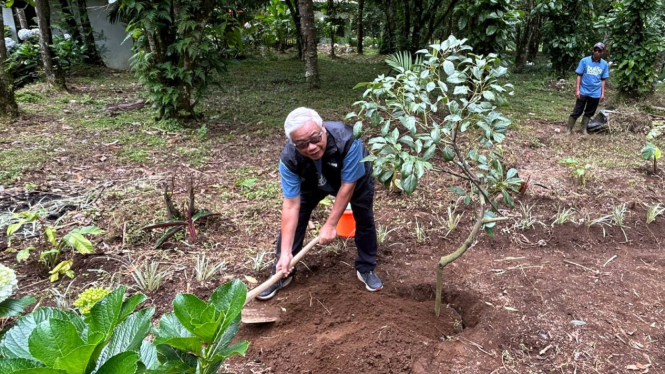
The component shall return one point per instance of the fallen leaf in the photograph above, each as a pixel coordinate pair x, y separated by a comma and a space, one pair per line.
509, 308
251, 280
283, 309
65, 127
79, 177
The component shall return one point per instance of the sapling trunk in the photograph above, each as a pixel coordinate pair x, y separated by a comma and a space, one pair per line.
655, 168
445, 260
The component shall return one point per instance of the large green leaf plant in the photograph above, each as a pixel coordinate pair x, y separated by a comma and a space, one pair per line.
442, 106
111, 339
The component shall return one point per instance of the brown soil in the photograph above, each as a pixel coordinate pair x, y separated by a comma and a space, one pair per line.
546, 299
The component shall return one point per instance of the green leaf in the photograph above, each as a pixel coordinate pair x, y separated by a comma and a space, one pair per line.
77, 361
129, 335
129, 305
11, 229
79, 242
51, 236
171, 332
12, 365
123, 363
229, 298
54, 339
429, 153
14, 343
148, 355
489, 95
430, 86
410, 183
105, 314
24, 254
199, 318
358, 129
14, 307
236, 349
448, 67
92, 230
448, 154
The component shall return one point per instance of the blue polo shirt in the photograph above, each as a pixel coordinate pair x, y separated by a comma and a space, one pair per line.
593, 73
352, 170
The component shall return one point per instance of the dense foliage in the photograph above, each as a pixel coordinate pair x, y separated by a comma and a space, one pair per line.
181, 48
568, 32
635, 29
111, 339
489, 25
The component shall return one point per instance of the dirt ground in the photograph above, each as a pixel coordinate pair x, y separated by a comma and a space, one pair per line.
543, 299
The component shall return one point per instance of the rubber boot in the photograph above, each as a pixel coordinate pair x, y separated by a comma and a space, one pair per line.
571, 123
585, 124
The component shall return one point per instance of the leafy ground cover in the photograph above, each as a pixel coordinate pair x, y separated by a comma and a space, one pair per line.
581, 296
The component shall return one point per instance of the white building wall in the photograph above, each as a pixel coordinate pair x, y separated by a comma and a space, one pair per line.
116, 53
8, 19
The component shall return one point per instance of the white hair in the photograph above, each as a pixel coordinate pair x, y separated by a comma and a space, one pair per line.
298, 118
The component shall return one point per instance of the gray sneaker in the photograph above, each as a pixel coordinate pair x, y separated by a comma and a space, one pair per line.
371, 280
272, 290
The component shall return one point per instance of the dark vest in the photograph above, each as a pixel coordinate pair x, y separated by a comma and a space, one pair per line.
340, 138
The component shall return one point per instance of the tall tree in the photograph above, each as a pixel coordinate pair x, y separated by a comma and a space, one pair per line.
361, 8
92, 53
636, 38
8, 105
20, 14
71, 26
388, 44
55, 76
333, 26
309, 43
295, 14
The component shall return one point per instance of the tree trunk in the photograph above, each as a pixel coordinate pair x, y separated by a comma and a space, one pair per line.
20, 13
331, 19
361, 8
660, 61
94, 58
55, 77
295, 14
388, 39
70, 21
534, 42
8, 105
309, 43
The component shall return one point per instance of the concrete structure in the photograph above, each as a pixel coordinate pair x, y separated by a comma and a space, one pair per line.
109, 37
8, 19
116, 54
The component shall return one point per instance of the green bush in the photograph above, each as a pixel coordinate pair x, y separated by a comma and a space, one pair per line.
112, 338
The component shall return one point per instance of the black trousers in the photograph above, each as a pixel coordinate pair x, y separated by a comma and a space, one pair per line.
586, 105
362, 203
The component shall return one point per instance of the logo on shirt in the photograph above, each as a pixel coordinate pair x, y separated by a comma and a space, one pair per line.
594, 70
333, 164
322, 180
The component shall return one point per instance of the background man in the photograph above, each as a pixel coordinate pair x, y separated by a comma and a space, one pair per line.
592, 72
323, 159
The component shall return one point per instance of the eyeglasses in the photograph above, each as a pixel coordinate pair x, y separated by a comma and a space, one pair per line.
305, 143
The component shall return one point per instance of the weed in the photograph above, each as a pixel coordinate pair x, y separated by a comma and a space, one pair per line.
452, 221
421, 234
62, 300
618, 216
562, 216
205, 270
259, 262
382, 233
578, 171
654, 211
604, 221
147, 276
527, 219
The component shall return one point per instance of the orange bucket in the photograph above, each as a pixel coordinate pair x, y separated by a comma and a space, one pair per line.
346, 227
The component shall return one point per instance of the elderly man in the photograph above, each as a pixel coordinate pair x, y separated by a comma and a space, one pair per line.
320, 159
592, 72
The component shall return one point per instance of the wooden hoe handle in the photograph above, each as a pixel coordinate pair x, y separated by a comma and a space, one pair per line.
279, 275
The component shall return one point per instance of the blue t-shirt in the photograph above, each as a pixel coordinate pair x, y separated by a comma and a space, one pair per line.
592, 74
352, 170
